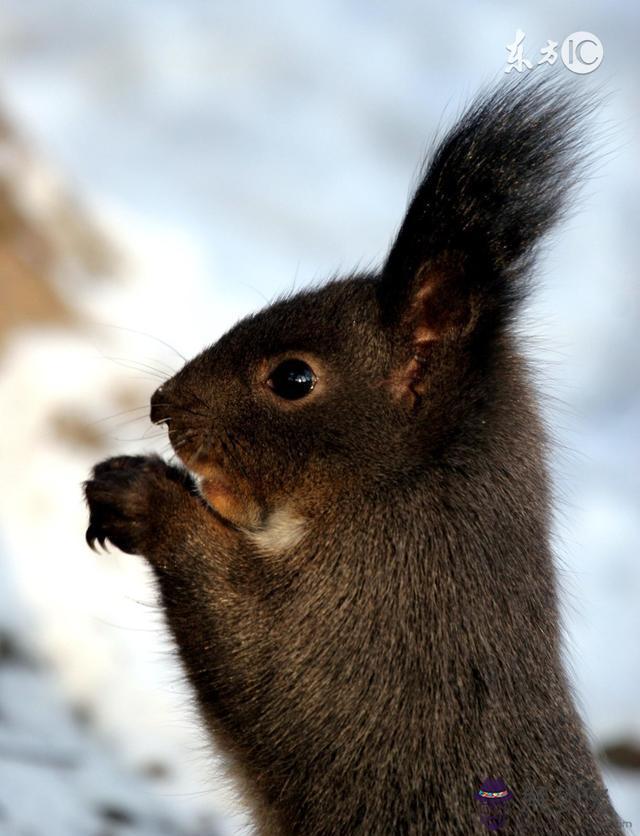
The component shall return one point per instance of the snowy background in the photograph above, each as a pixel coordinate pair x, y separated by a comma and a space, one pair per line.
166, 167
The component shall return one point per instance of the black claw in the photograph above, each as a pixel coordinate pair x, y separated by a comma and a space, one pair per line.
90, 537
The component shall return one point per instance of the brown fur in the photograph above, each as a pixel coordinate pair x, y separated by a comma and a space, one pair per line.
396, 641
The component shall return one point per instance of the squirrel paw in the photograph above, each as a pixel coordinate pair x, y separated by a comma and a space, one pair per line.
127, 497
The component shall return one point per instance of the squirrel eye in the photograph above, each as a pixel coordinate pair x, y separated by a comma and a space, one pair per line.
292, 380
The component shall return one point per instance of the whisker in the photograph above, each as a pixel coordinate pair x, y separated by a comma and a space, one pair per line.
237, 442
199, 398
181, 442
135, 440
230, 451
157, 434
119, 414
186, 409
127, 364
167, 369
151, 337
140, 365
122, 424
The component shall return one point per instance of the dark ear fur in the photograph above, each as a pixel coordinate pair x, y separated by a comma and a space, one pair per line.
494, 186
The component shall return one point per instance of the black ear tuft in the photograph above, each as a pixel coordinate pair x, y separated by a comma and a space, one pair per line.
494, 186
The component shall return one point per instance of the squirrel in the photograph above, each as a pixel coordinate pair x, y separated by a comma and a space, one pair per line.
353, 554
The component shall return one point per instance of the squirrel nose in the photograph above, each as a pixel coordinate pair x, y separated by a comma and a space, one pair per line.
160, 405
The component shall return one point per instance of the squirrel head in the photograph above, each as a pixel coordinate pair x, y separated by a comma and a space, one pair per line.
370, 381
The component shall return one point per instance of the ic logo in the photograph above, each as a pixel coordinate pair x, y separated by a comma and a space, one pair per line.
582, 52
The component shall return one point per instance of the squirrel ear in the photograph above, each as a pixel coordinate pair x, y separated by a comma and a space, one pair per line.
440, 307
440, 304
492, 188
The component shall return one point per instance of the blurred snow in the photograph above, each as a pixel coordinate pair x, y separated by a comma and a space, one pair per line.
235, 151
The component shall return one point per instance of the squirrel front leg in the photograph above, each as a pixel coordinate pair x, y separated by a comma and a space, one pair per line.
210, 583
146, 507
